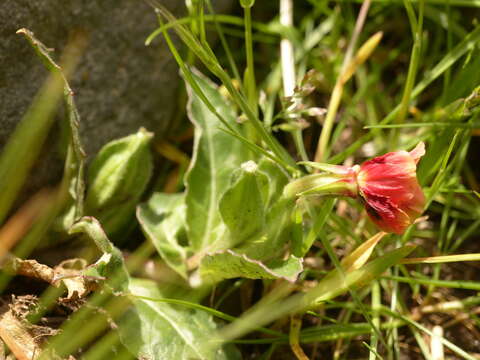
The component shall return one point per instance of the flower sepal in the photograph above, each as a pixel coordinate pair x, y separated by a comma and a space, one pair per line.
323, 184
329, 168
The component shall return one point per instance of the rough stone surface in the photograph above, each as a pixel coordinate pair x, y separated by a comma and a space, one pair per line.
120, 84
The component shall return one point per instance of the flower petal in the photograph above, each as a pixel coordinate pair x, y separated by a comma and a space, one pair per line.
389, 185
392, 175
385, 214
418, 152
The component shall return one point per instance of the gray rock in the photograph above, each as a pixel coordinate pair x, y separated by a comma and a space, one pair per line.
120, 84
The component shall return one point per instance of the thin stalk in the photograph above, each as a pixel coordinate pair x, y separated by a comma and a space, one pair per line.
375, 319
220, 18
295, 326
467, 44
393, 350
338, 266
442, 259
414, 59
448, 73
250, 85
211, 311
206, 55
223, 41
455, 284
338, 89
201, 21
287, 56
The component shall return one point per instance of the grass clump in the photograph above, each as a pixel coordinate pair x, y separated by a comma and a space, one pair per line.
230, 262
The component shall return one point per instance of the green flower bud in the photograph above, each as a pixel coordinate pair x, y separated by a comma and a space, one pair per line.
117, 179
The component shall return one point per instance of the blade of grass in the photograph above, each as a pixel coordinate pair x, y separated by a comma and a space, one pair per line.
221, 19
442, 259
466, 45
295, 326
352, 263
473, 125
250, 86
459, 284
466, 3
323, 334
457, 350
417, 30
229, 129
338, 88
206, 55
226, 47
327, 289
376, 302
20, 153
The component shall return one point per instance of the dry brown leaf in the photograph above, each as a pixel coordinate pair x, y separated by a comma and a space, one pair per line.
29, 268
68, 272
14, 333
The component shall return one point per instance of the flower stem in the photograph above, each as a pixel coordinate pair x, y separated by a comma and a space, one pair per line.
250, 70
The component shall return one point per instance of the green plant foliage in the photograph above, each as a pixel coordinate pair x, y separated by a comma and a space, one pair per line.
233, 208
241, 206
277, 179
336, 283
230, 264
165, 331
111, 264
117, 179
162, 219
240, 216
215, 156
247, 3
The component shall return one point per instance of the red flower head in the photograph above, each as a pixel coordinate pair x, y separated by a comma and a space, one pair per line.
389, 186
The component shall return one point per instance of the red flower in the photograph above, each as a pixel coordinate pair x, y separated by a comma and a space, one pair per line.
389, 186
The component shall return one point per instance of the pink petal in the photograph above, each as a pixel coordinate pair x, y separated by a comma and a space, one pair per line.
418, 152
389, 185
386, 214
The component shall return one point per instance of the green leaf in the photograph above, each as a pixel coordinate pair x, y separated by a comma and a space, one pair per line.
117, 179
241, 207
215, 156
277, 179
258, 257
157, 330
277, 232
111, 264
357, 258
301, 246
336, 283
230, 264
162, 220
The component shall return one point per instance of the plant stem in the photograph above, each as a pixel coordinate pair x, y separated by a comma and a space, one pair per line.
414, 60
287, 57
338, 89
221, 35
250, 70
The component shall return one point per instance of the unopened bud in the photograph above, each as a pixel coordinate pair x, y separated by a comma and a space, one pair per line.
117, 178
